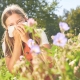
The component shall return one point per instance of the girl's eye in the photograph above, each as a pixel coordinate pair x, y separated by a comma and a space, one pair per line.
11, 24
20, 21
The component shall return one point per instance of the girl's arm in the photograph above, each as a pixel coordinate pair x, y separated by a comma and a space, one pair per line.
19, 35
10, 61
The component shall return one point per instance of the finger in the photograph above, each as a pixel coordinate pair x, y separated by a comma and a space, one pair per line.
21, 31
16, 34
22, 26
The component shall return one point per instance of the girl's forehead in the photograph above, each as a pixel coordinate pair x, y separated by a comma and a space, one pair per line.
13, 18
15, 15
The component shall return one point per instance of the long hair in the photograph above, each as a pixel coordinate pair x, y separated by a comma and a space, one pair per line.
9, 42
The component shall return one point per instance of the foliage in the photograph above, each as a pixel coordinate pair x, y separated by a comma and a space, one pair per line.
57, 63
1, 53
72, 17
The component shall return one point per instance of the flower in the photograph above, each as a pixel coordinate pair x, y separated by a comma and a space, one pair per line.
79, 36
23, 69
59, 40
30, 43
35, 49
22, 58
10, 31
52, 37
63, 26
72, 62
31, 22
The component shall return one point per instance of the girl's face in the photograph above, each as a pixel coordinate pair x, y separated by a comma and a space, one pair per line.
14, 20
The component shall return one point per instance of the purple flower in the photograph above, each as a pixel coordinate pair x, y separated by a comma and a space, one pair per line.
59, 40
35, 49
64, 26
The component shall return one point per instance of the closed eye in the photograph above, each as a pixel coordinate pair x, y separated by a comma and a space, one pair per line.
11, 24
20, 21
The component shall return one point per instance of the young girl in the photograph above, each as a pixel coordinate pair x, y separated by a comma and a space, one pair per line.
13, 15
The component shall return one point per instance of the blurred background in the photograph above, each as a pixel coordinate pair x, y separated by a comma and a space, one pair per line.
48, 14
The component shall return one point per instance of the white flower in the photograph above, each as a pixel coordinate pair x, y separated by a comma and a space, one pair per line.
15, 78
22, 57
72, 62
35, 67
79, 37
52, 37
23, 69
10, 31
16, 67
22, 62
29, 76
76, 68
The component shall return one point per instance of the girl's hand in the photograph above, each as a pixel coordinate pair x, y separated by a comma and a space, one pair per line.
22, 32
16, 35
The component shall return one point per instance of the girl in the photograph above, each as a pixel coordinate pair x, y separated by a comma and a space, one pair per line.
13, 15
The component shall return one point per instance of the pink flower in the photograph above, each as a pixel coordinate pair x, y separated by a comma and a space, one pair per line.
31, 22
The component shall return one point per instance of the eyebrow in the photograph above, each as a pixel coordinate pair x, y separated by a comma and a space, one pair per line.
19, 20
